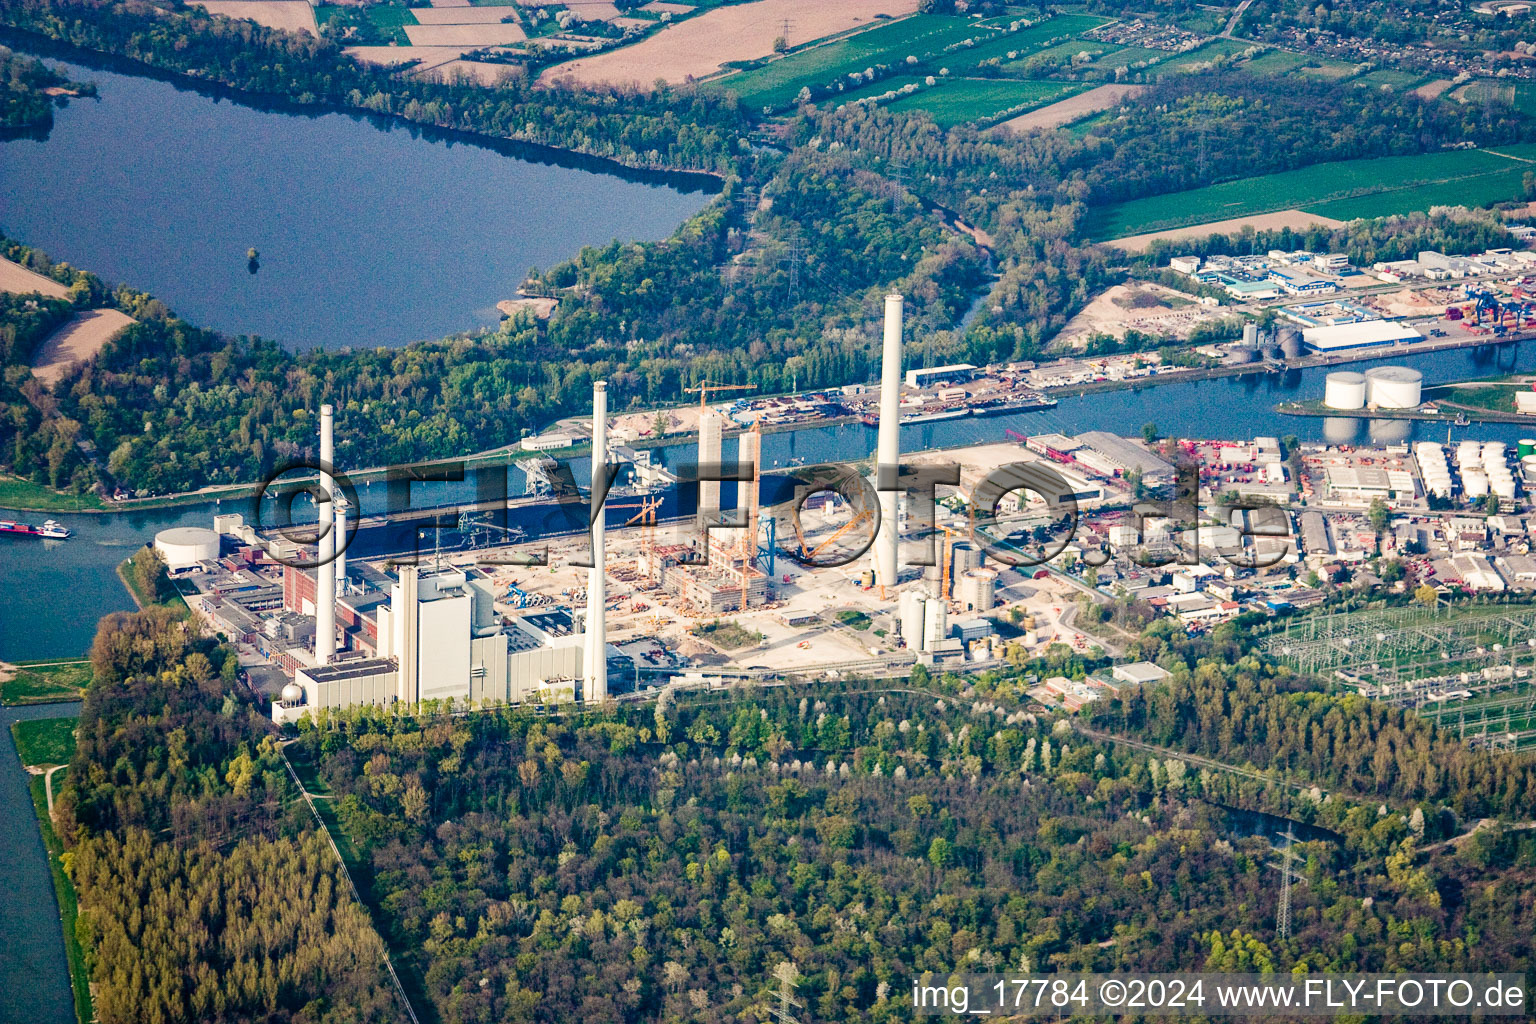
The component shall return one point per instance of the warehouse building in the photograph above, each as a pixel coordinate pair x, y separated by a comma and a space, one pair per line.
1112, 455
1367, 334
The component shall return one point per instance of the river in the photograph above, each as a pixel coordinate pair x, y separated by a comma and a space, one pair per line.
69, 585
370, 232
32, 965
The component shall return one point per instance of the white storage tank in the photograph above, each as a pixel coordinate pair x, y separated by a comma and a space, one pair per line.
1394, 387
978, 590
910, 612
1469, 455
1503, 486
1494, 454
1344, 389
182, 546
1528, 467
1475, 483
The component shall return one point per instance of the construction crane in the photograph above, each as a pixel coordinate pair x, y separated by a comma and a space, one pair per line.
706, 387
646, 517
860, 517
947, 560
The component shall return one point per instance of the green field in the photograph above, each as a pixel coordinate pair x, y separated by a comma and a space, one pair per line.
45, 742
16, 493
1401, 81
46, 682
1328, 70
379, 24
1342, 189
1024, 43
1212, 50
1127, 56
1275, 62
879, 88
961, 101
776, 83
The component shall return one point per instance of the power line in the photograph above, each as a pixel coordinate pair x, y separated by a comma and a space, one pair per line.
1283, 915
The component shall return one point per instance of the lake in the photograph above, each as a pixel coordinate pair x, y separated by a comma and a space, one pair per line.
371, 232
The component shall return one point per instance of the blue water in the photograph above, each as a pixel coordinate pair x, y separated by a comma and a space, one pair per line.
370, 232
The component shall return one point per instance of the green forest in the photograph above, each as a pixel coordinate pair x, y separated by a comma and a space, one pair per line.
665, 861
28, 91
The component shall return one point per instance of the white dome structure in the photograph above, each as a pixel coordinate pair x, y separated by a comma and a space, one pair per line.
293, 693
182, 546
1344, 389
1394, 387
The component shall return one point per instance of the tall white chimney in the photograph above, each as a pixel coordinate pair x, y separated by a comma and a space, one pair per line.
408, 617
339, 544
325, 576
595, 663
888, 446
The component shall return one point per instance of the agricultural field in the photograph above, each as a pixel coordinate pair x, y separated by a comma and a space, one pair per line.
1275, 62
375, 24
926, 37
1024, 43
705, 44
1061, 51
968, 100
776, 83
1343, 190
1125, 57
878, 88
1074, 108
1328, 70
1205, 20
1213, 50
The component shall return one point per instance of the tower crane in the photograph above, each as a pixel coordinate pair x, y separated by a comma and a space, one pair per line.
704, 388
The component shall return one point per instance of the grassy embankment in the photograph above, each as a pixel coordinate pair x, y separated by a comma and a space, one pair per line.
46, 742
46, 682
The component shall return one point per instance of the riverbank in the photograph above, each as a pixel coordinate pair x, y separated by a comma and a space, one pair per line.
1446, 413
43, 746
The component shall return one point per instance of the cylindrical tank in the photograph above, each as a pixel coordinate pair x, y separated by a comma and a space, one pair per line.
1528, 467
935, 622
1290, 342
1242, 355
1273, 352
1503, 486
910, 611
1251, 335
1341, 429
978, 590
182, 546
1475, 483
1394, 387
1526, 446
1495, 453
1344, 389
1469, 455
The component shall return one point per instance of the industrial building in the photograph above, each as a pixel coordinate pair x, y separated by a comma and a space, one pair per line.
1365, 334
1113, 455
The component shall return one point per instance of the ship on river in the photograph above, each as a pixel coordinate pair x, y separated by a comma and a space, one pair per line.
50, 530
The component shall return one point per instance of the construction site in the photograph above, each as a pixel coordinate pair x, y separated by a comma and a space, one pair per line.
850, 571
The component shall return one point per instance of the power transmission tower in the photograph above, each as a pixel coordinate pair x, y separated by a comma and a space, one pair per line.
793, 257
1283, 915
897, 172
784, 1012
785, 34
